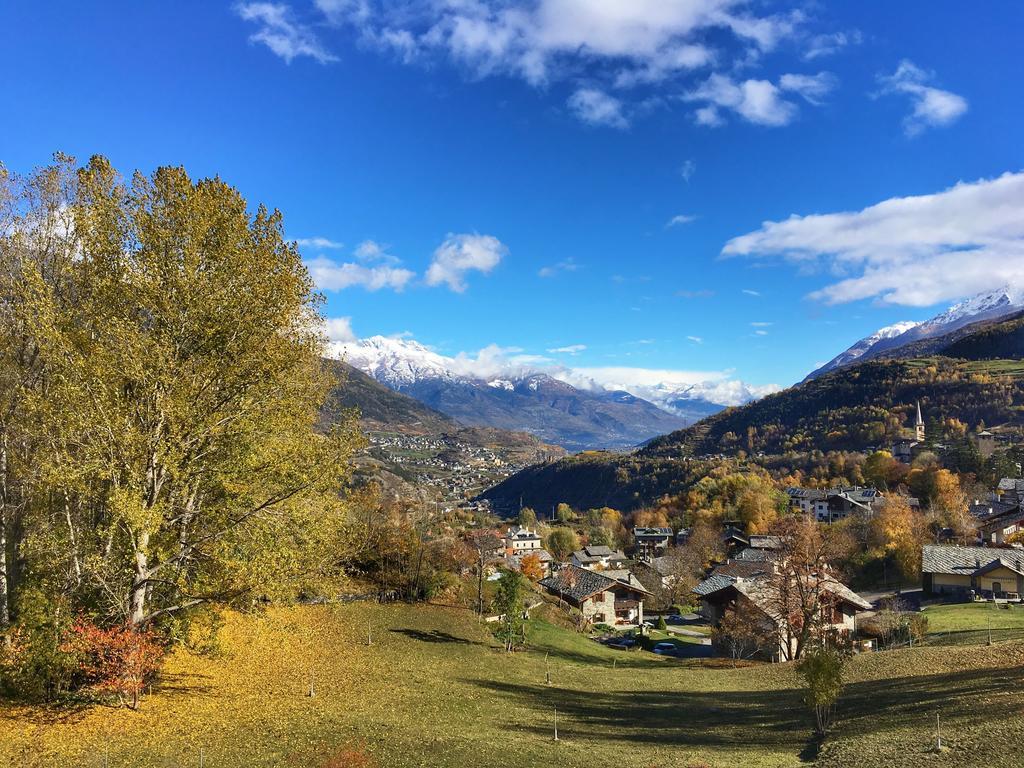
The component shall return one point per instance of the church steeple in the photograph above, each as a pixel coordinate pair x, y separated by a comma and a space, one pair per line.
919, 424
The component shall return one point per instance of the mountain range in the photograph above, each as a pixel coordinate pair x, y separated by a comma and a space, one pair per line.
889, 341
515, 398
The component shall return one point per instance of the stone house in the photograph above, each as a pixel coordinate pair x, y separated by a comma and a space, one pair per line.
615, 598
598, 557
753, 584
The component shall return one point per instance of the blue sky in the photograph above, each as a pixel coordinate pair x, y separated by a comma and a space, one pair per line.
508, 173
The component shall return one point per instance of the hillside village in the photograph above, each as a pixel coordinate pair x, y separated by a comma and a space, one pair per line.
511, 383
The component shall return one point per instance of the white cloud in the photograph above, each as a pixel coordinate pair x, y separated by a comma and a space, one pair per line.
621, 44
552, 270
318, 243
760, 332
761, 324
931, 106
913, 251
344, 11
828, 44
696, 339
595, 107
330, 275
371, 251
750, 292
460, 254
757, 101
571, 349
687, 169
813, 88
665, 386
682, 218
339, 330
282, 33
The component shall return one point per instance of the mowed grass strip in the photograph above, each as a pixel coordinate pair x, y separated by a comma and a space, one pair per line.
433, 689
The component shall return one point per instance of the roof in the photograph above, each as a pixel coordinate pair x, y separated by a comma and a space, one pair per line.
626, 577
1014, 566
713, 583
965, 561
985, 509
741, 568
522, 533
753, 555
758, 541
1011, 484
541, 554
759, 590
578, 583
809, 494
597, 554
661, 531
735, 533
1003, 521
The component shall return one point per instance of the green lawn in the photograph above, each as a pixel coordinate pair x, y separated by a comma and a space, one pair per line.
433, 689
970, 623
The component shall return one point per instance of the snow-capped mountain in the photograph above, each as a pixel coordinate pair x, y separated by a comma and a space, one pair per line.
985, 306
865, 345
556, 404
397, 363
988, 305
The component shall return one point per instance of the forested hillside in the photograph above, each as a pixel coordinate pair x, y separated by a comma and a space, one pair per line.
845, 411
864, 406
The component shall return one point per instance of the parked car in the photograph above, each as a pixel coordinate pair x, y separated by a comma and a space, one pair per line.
666, 649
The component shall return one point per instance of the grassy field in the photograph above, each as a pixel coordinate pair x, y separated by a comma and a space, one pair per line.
434, 690
972, 623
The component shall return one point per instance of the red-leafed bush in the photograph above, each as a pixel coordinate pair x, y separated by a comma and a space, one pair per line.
351, 756
118, 660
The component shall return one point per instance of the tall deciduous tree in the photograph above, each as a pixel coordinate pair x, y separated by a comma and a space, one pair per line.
165, 346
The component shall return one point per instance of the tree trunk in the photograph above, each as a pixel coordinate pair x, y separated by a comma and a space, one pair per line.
5, 610
140, 582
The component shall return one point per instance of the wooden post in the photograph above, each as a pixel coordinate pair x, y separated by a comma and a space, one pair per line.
202, 757
938, 733
556, 723
369, 634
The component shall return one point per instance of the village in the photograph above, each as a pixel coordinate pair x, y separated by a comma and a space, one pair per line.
767, 596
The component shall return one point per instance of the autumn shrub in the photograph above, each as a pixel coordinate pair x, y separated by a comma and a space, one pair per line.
34, 665
351, 756
116, 660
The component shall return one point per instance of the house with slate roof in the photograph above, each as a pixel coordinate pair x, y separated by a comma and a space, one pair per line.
520, 540
612, 597
834, 504
979, 571
651, 542
598, 557
754, 584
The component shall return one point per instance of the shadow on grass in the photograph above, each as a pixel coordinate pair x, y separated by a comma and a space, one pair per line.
191, 684
777, 720
65, 711
621, 659
434, 636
